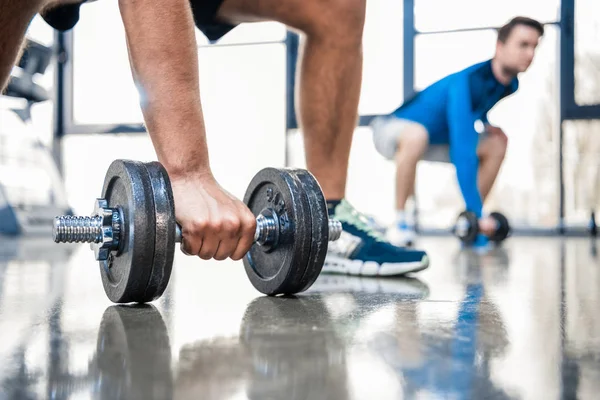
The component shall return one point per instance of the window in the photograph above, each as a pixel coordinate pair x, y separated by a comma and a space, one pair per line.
383, 62
104, 92
437, 55
438, 15
243, 95
581, 171
587, 53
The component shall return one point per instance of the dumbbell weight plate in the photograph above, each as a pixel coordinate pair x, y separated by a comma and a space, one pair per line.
319, 220
164, 244
467, 227
279, 269
503, 227
126, 273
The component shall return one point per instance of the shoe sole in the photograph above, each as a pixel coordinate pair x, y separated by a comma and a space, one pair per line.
344, 266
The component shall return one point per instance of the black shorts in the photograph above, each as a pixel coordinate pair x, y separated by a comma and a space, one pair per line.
66, 17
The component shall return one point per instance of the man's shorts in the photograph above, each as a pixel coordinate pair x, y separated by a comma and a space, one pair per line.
387, 130
65, 17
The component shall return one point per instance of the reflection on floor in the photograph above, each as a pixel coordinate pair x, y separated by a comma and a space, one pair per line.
521, 322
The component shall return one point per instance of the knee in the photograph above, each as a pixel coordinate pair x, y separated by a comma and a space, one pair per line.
413, 142
502, 141
339, 21
499, 143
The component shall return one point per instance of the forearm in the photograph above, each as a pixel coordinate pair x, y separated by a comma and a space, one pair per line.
467, 181
463, 153
463, 144
164, 61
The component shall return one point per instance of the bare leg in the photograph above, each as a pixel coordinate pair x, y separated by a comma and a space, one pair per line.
330, 76
491, 153
411, 147
15, 16
411, 192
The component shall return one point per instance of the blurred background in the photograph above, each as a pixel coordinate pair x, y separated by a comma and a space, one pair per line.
548, 183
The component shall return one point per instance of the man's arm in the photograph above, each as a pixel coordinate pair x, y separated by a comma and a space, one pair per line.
463, 143
164, 60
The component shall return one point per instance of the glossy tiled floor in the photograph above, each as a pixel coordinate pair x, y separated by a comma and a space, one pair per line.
520, 323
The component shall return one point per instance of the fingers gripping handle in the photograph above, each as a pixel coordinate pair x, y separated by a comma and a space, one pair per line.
265, 229
266, 226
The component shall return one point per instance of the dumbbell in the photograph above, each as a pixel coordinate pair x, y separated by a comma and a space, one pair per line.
133, 231
467, 227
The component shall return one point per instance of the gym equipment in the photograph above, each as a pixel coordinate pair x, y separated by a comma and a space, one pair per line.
31, 188
502, 227
132, 231
467, 227
34, 60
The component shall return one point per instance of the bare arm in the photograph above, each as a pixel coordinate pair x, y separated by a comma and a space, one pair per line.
164, 61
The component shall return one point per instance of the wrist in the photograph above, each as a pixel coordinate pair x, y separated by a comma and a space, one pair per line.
180, 145
188, 171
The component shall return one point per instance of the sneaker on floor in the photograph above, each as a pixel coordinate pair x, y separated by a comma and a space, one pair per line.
361, 250
402, 235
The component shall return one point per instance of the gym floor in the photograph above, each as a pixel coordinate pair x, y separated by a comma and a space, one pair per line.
521, 322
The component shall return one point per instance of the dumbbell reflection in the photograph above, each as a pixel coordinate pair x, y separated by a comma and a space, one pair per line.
288, 348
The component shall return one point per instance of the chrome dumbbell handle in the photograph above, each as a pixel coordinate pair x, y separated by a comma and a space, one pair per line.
104, 228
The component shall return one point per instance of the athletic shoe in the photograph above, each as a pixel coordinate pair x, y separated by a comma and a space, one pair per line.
361, 250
